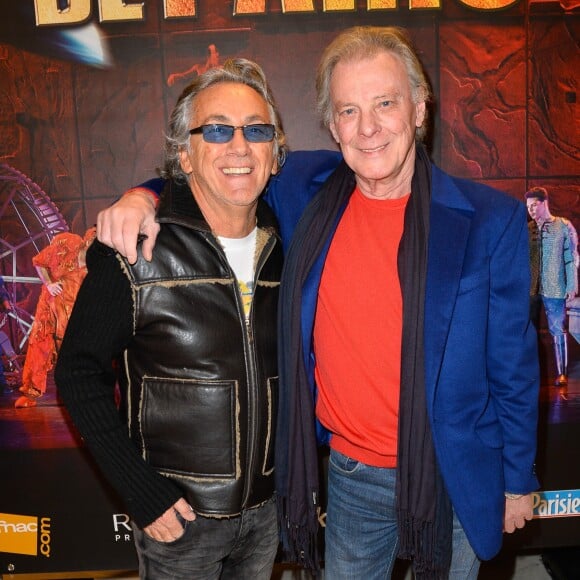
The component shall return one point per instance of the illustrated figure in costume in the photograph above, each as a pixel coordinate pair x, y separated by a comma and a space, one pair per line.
554, 266
61, 267
405, 338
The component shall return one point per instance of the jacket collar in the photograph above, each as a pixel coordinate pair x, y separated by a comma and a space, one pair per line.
178, 206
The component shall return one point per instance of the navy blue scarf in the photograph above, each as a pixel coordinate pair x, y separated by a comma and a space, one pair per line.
424, 511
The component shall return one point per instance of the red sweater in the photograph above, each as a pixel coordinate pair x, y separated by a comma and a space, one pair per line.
357, 332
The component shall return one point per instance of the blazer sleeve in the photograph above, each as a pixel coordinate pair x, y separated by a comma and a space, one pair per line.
512, 360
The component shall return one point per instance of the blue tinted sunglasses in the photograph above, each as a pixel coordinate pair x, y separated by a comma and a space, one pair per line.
218, 133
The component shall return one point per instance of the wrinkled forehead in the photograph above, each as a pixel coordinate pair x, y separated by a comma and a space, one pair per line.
381, 74
379, 60
226, 100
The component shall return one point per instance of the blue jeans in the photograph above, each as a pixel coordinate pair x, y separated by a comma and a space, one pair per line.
242, 547
555, 309
361, 525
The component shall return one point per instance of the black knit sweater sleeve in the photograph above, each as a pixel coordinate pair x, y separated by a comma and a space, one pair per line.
100, 328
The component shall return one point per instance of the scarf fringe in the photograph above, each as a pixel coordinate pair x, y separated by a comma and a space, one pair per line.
418, 542
299, 541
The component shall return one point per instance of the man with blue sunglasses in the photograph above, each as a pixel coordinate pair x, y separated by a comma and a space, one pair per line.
193, 331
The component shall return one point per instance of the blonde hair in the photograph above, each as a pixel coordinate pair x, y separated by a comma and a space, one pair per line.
364, 42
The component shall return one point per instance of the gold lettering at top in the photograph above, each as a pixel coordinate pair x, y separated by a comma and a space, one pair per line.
117, 10
249, 7
488, 4
47, 12
424, 4
337, 5
381, 5
297, 6
78, 11
179, 8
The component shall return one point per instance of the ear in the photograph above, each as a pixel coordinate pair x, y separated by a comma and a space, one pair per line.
420, 109
184, 161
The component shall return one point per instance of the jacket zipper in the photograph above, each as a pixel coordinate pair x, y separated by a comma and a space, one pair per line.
253, 379
250, 357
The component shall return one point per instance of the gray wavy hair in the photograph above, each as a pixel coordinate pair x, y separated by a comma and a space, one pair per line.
365, 42
234, 70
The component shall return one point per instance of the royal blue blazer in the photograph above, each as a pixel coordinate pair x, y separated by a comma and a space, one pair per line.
481, 358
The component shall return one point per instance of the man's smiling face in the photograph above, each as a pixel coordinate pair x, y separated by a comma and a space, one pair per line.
232, 175
374, 122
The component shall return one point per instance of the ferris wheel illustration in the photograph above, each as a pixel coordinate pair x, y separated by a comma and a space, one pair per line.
29, 220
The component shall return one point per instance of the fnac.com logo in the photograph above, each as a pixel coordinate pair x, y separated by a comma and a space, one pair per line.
19, 534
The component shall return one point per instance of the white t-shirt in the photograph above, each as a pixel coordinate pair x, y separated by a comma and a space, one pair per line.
240, 253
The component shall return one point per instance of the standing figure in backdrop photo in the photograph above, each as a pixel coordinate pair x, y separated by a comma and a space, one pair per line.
554, 266
405, 338
192, 453
61, 267
6, 349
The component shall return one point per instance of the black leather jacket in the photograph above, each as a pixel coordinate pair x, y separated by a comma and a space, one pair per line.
202, 410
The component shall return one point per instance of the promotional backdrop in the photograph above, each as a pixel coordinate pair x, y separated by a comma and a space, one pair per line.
85, 91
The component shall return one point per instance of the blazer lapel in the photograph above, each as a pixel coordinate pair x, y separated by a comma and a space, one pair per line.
449, 227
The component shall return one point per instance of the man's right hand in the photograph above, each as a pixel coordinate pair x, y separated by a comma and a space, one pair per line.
517, 512
119, 226
168, 528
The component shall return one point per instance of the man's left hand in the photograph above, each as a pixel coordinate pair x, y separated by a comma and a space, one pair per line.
517, 512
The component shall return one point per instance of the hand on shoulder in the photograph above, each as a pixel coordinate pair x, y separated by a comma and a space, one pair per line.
120, 225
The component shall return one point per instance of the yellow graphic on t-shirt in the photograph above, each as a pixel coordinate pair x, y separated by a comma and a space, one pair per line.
247, 291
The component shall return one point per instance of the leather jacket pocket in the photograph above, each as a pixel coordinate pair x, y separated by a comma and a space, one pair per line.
189, 426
